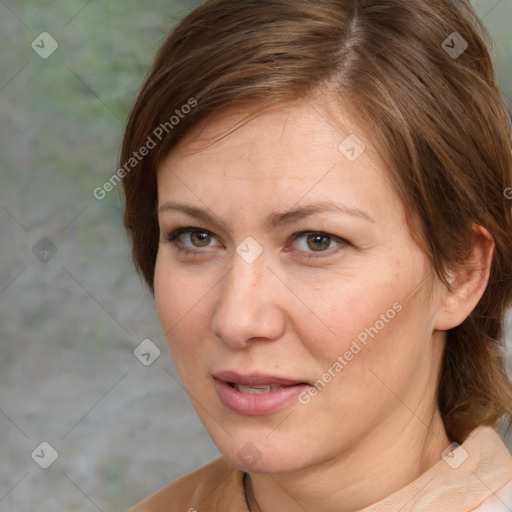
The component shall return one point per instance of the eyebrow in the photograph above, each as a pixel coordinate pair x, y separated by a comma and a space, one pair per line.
274, 219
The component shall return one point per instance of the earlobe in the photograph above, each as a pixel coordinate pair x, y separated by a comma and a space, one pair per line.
468, 282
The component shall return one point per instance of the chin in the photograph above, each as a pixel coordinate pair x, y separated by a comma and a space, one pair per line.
265, 465
259, 456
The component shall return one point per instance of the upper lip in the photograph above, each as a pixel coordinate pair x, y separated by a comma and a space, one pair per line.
253, 379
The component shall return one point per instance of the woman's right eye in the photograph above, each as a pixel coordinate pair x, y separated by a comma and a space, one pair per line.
191, 239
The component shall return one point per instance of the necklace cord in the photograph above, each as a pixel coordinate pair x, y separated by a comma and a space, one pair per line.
252, 504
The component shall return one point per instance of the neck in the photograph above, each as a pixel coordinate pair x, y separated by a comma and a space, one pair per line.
385, 461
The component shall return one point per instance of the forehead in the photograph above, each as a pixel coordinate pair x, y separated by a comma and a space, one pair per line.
298, 151
270, 133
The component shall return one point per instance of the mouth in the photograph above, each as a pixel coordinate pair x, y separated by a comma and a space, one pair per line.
256, 390
256, 394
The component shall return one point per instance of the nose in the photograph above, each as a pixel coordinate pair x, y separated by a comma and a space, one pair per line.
249, 306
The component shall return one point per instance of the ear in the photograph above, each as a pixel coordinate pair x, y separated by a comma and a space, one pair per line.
467, 283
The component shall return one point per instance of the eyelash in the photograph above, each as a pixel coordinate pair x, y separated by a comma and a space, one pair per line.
172, 238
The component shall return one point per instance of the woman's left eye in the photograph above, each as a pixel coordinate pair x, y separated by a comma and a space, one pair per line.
313, 242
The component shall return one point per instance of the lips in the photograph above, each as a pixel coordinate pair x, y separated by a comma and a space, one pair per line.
254, 379
256, 394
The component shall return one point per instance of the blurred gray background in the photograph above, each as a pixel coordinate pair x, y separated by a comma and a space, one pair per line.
72, 310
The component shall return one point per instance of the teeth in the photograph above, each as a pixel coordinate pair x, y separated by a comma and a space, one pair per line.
257, 390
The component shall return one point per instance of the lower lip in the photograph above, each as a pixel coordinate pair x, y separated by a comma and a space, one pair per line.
257, 404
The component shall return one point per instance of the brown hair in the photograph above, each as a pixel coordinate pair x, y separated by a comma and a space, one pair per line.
438, 121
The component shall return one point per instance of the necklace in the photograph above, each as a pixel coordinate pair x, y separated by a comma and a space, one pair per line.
252, 504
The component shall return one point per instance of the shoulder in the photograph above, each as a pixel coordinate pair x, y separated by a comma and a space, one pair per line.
500, 501
493, 473
216, 486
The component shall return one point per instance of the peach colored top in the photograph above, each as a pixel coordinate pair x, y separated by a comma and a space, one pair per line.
476, 476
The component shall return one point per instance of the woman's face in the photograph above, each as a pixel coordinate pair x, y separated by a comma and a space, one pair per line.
299, 311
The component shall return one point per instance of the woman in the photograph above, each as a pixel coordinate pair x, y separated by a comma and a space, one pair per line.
315, 195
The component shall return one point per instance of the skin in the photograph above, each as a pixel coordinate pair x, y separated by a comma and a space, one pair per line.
375, 427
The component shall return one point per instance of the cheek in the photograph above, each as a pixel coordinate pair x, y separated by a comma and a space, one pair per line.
165, 296
178, 302
365, 319
347, 309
